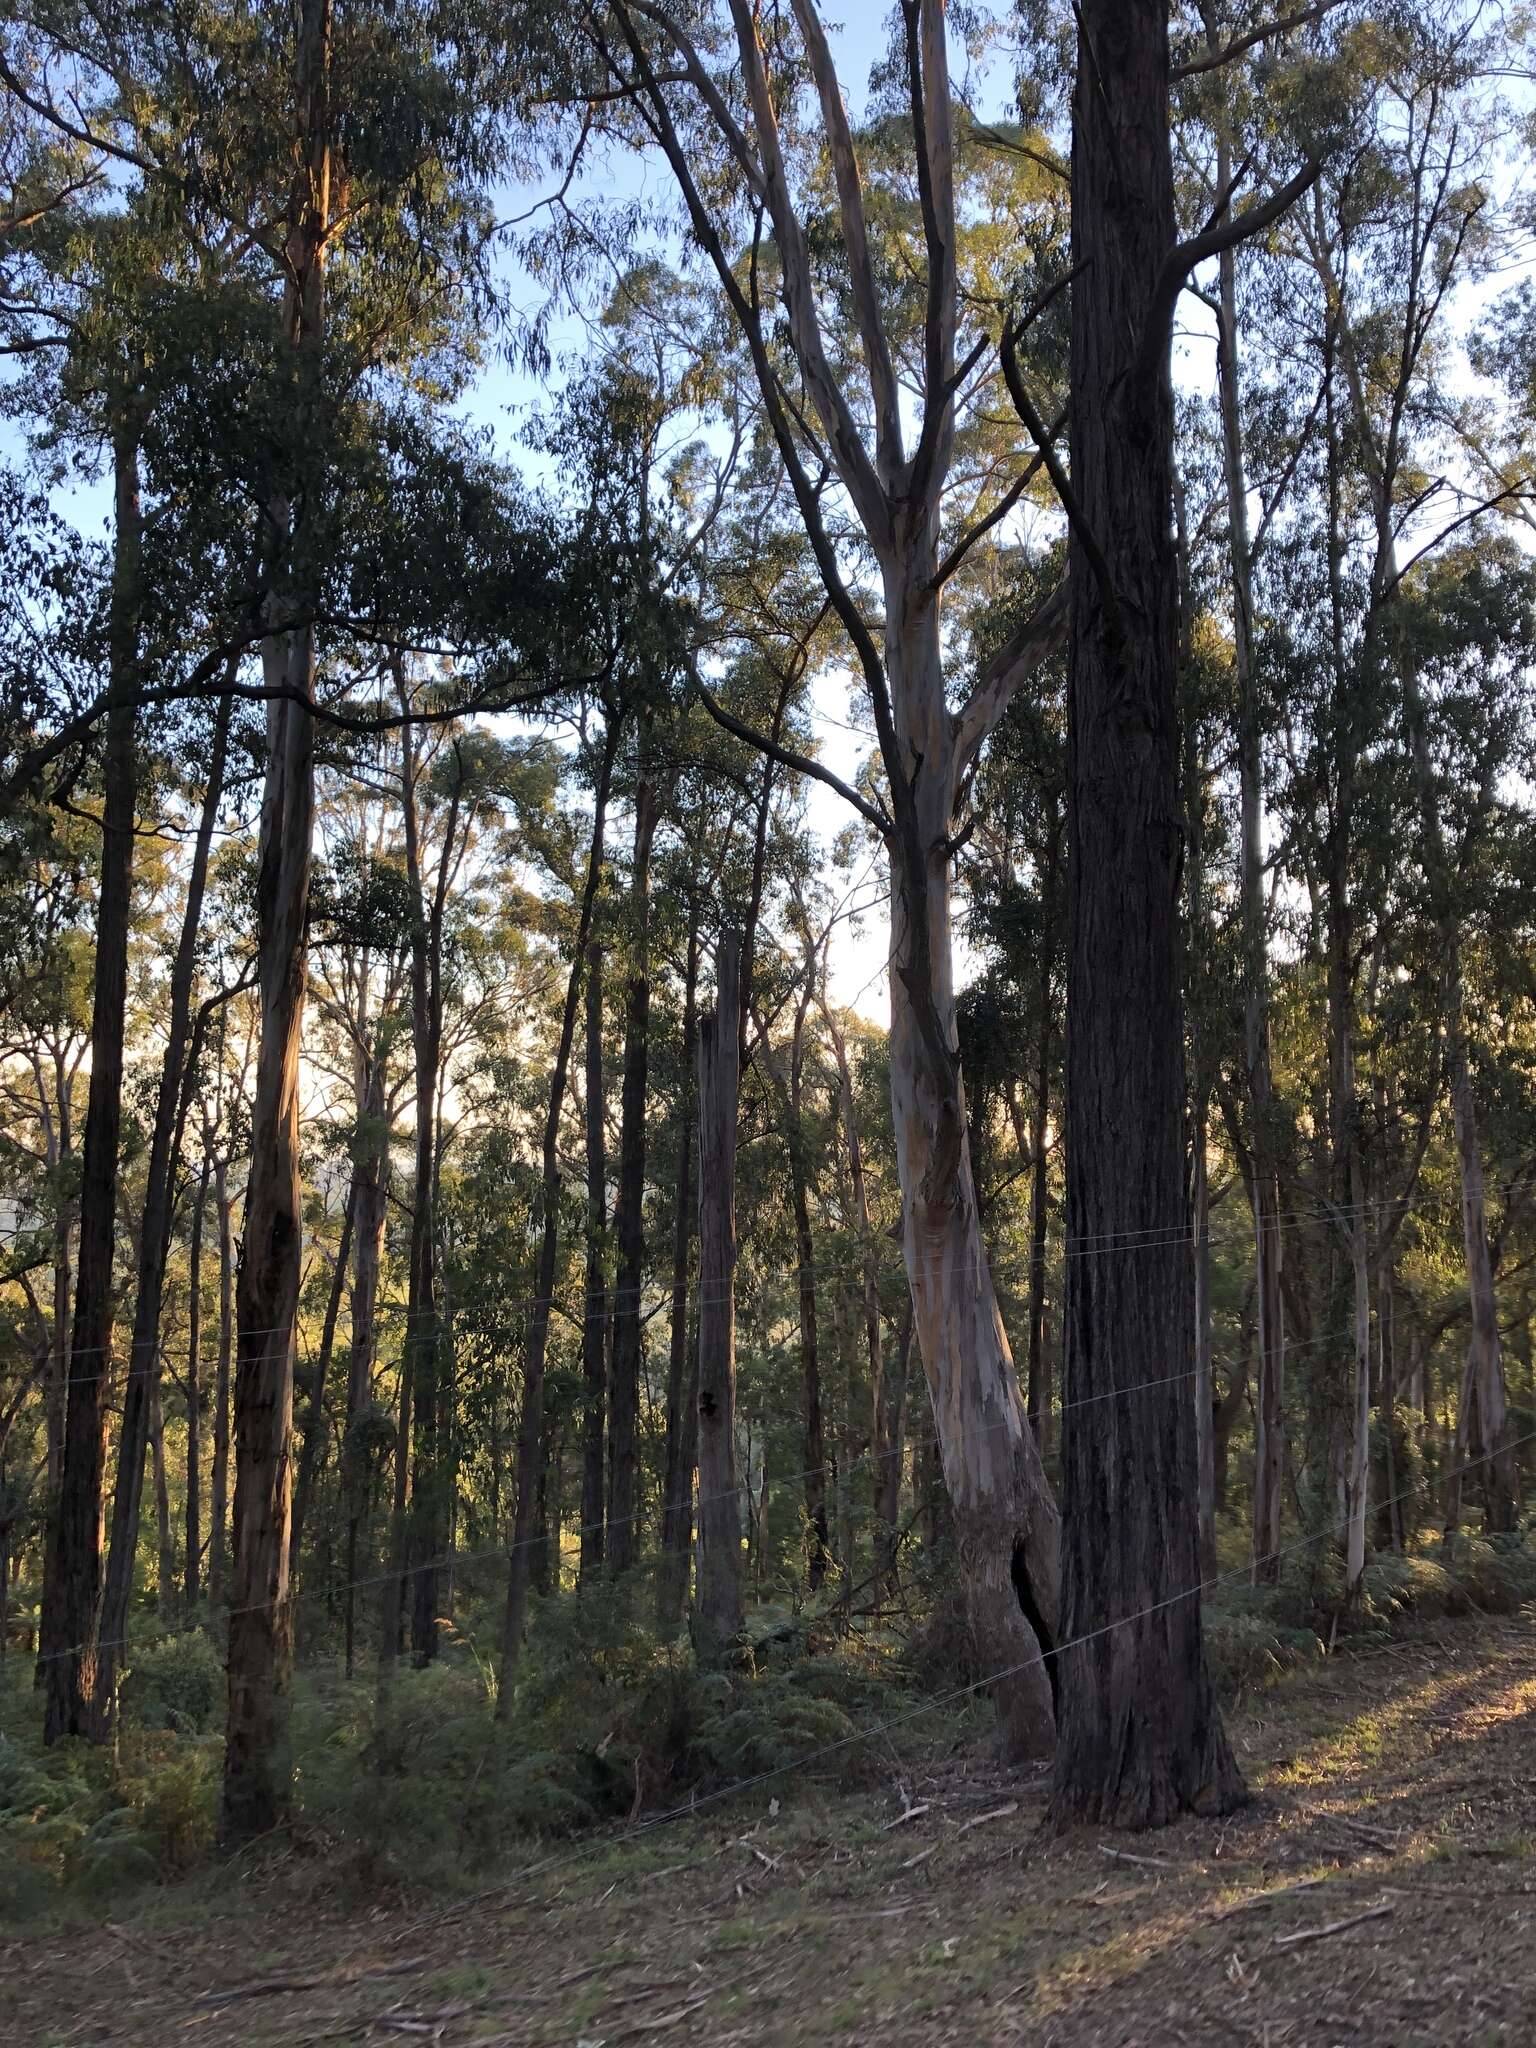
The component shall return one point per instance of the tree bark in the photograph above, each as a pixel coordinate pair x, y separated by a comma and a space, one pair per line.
629, 1215
1140, 1737
719, 1613
256, 1766
72, 1584
530, 1428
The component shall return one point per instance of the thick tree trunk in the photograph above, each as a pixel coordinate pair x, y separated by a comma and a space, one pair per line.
719, 1613
1005, 1521
594, 1313
155, 1234
682, 1389
530, 1429
1140, 1737
72, 1581
629, 1214
256, 1765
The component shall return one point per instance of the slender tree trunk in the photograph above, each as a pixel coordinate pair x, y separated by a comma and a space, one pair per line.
372, 1201
530, 1429
192, 1581
424, 1334
719, 1613
165, 1549
312, 1430
72, 1580
629, 1216
789, 1094
256, 1765
682, 1393
887, 1390
155, 1234
1140, 1737
218, 1498
594, 1317
1264, 1184
1488, 1408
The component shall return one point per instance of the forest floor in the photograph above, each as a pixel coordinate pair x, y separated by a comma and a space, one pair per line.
1379, 1889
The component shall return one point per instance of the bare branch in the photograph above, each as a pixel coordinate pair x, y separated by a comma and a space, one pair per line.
850, 196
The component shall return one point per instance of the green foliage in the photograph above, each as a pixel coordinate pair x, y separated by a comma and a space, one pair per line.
1248, 1653
176, 1685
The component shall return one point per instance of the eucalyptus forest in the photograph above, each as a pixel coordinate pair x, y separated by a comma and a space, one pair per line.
768, 1020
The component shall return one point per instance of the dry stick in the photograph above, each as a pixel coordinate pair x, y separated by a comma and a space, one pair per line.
1279, 1891
1333, 1926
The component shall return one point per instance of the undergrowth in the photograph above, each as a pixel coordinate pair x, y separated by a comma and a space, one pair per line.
428, 1786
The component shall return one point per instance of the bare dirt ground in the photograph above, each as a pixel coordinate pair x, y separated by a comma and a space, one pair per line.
1381, 1889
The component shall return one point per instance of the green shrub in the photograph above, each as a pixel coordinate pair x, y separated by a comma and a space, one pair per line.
1247, 1653
176, 1684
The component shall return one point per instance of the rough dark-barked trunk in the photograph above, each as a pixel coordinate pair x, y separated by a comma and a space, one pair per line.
256, 1766
1139, 1736
72, 1581
629, 1215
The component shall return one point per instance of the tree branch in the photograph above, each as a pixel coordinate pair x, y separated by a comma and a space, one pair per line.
1041, 635
787, 757
1189, 255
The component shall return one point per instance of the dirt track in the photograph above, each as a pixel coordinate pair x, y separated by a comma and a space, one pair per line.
1380, 1890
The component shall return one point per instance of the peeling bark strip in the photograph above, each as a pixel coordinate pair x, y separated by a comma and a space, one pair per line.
1140, 1739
